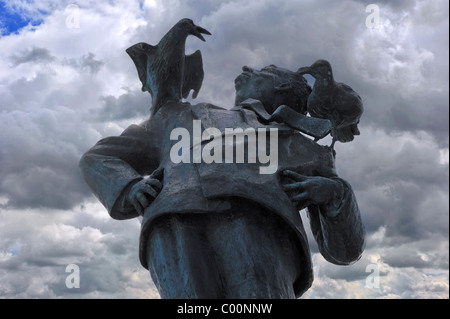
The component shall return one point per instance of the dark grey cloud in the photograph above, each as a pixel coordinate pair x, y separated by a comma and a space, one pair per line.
127, 106
43, 250
397, 5
35, 55
85, 63
39, 157
421, 255
50, 119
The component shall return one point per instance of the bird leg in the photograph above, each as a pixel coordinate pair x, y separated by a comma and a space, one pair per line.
333, 131
332, 142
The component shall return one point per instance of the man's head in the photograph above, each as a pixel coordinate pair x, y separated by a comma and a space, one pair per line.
273, 86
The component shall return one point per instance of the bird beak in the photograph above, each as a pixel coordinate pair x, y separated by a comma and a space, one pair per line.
304, 70
198, 32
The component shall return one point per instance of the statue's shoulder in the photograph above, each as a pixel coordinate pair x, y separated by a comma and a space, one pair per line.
168, 112
135, 129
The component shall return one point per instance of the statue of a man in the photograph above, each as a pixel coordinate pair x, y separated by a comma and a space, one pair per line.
219, 228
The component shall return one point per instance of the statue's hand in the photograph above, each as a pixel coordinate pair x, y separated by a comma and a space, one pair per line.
144, 192
313, 190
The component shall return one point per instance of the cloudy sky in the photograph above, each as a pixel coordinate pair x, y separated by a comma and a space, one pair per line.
66, 82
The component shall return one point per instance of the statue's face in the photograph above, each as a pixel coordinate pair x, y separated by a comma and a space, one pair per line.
259, 85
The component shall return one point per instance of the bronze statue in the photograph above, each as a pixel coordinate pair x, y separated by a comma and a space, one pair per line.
216, 223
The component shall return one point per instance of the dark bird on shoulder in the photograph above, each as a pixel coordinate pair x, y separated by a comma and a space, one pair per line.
165, 71
334, 101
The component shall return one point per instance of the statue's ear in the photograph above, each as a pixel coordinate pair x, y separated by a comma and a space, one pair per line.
139, 53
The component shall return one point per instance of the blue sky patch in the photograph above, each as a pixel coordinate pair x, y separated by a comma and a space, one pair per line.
11, 22
14, 250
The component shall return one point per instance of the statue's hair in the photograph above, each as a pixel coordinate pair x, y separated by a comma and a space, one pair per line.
293, 85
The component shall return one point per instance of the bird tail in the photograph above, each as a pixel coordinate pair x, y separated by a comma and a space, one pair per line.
355, 129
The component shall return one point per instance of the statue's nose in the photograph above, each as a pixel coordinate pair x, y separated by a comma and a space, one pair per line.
247, 69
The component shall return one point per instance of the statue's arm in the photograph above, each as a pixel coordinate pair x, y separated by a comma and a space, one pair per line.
114, 165
337, 227
333, 212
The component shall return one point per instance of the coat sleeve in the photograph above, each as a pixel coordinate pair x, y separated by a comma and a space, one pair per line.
114, 164
337, 227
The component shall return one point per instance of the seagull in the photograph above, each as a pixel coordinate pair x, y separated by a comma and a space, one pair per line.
334, 101
165, 71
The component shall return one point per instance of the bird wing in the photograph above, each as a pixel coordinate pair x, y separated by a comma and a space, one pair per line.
139, 54
348, 104
193, 74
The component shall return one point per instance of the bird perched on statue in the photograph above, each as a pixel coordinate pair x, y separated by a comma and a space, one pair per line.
334, 101
165, 71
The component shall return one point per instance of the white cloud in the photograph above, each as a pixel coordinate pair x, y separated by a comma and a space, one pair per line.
390, 55
105, 250
373, 278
